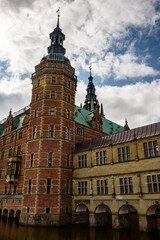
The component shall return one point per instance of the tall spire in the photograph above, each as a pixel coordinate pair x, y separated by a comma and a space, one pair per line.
91, 96
58, 17
56, 51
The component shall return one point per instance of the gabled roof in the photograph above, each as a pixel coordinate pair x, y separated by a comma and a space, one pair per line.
83, 116
122, 137
18, 118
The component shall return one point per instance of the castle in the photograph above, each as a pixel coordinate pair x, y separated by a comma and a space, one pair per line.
63, 164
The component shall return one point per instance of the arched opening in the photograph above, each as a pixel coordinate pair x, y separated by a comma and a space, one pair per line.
5, 215
103, 216
153, 217
128, 217
82, 214
0, 213
18, 212
11, 214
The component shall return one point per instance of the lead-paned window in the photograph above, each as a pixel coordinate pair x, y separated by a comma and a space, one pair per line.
32, 159
102, 187
101, 157
52, 111
82, 160
126, 185
150, 149
53, 80
153, 182
82, 188
34, 132
51, 130
50, 159
53, 94
48, 186
124, 154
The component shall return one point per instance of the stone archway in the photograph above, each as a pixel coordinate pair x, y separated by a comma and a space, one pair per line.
11, 214
153, 217
128, 217
18, 212
5, 215
82, 214
103, 216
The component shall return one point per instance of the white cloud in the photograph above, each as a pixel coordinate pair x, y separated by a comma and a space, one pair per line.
92, 28
138, 103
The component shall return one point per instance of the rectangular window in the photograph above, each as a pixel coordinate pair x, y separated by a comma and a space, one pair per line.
5, 189
68, 131
36, 113
153, 182
4, 140
68, 98
151, 149
11, 139
53, 94
0, 173
68, 114
82, 160
10, 152
82, 188
32, 159
52, 111
37, 96
48, 186
15, 189
2, 155
27, 209
51, 128
126, 185
69, 84
124, 154
101, 157
29, 186
19, 150
38, 83
50, 159
102, 187
67, 186
68, 160
53, 80
79, 131
34, 132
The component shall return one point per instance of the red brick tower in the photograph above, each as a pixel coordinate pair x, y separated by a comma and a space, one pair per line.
51, 139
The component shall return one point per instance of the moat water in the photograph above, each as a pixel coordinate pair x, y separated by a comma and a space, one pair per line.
12, 231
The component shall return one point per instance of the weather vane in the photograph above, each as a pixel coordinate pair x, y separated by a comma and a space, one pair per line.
90, 68
58, 11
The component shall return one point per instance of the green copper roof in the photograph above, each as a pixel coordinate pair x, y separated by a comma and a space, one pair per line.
83, 116
11, 196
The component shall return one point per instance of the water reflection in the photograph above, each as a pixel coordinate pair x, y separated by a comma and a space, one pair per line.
11, 231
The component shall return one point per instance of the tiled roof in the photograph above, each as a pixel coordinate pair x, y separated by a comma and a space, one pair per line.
122, 137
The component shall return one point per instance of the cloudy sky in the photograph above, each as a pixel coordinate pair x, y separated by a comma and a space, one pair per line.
119, 38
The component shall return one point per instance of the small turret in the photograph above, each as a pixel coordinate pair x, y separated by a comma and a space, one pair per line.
91, 97
126, 127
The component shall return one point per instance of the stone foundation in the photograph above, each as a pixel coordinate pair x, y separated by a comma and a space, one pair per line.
39, 219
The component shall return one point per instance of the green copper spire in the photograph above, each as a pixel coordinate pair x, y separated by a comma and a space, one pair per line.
91, 96
56, 51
